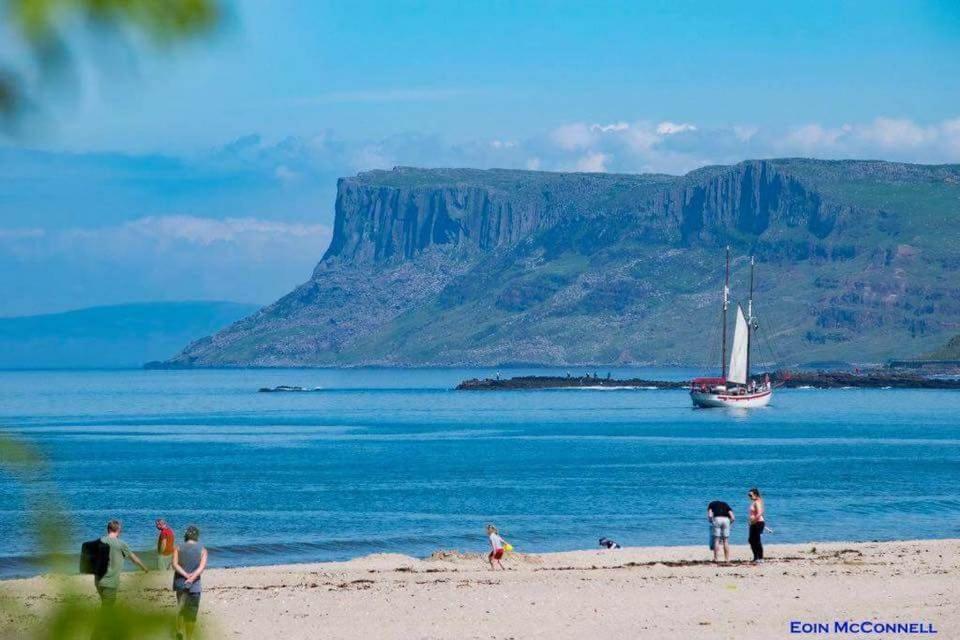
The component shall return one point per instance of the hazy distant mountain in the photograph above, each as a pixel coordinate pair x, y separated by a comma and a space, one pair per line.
857, 261
126, 335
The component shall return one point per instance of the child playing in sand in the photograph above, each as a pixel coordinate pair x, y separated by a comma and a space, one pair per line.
496, 546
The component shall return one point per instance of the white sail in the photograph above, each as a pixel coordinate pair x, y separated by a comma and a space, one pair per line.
737, 373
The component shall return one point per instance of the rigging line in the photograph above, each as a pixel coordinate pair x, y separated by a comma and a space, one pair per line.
765, 341
762, 343
776, 352
768, 354
714, 343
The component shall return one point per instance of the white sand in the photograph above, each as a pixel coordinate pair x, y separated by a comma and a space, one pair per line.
659, 592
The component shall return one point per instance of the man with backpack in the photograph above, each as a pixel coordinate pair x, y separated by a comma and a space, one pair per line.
118, 551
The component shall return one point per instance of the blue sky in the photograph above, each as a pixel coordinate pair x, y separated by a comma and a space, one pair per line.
170, 170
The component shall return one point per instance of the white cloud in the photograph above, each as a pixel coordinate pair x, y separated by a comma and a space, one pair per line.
810, 137
897, 139
371, 157
951, 128
593, 162
572, 136
677, 147
607, 128
668, 128
641, 137
896, 133
663, 146
743, 132
951, 134
621, 146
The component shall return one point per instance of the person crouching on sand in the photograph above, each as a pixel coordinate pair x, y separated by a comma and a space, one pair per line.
721, 519
496, 546
756, 524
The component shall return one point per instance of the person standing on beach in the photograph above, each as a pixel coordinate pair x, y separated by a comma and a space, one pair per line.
721, 519
189, 562
496, 546
108, 584
757, 524
165, 545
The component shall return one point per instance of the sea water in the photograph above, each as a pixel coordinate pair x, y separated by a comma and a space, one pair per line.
395, 460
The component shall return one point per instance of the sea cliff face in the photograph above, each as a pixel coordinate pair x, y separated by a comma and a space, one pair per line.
386, 216
457, 266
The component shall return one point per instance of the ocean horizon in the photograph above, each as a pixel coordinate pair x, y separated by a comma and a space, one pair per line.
395, 460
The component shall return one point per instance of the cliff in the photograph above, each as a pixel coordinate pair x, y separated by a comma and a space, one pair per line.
459, 266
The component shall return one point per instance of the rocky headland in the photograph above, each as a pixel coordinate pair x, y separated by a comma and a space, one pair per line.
856, 261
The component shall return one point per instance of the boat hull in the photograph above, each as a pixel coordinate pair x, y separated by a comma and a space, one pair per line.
706, 399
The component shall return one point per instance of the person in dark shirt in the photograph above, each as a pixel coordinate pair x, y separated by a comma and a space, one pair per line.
721, 519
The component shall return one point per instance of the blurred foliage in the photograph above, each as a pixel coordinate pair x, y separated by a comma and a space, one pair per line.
80, 619
61, 611
17, 458
42, 29
40, 20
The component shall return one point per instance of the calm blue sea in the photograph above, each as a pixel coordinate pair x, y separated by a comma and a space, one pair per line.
394, 460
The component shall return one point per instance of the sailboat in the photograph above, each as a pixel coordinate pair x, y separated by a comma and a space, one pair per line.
734, 387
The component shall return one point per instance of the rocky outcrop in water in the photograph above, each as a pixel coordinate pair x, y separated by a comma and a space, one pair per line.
872, 379
856, 262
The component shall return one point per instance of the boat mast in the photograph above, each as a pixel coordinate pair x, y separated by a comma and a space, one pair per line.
726, 303
749, 319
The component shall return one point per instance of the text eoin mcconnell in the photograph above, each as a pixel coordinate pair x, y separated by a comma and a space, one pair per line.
862, 627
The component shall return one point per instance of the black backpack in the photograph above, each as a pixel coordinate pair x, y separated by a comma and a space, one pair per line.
94, 557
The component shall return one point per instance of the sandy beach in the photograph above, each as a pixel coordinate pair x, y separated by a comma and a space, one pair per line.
653, 592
